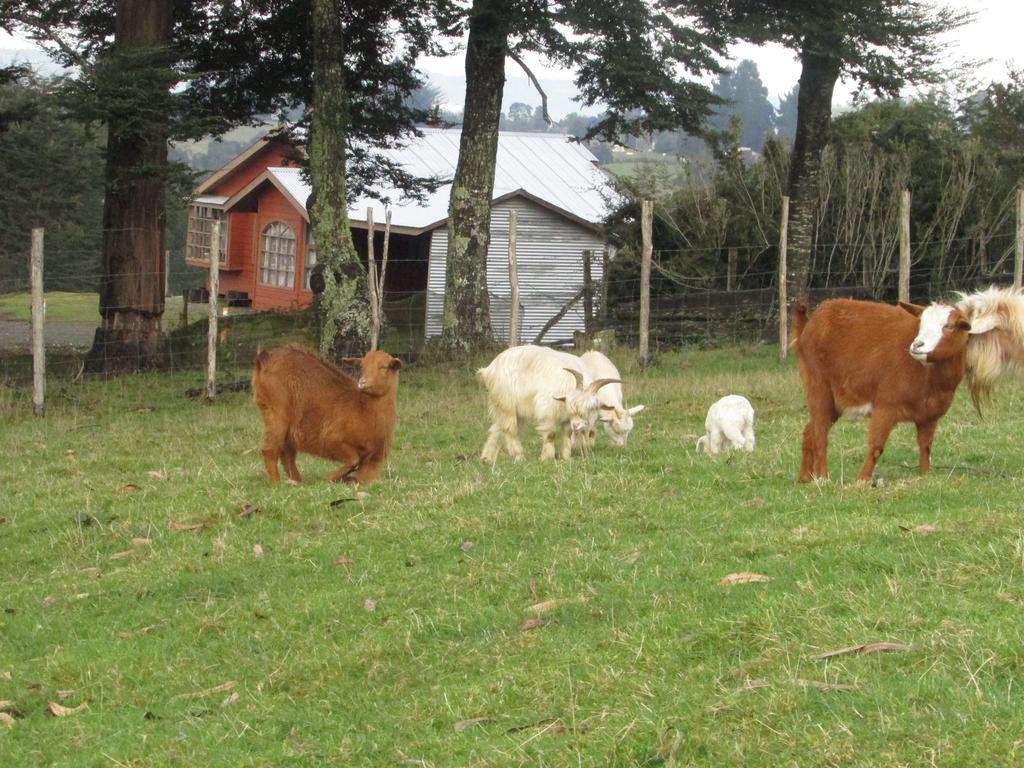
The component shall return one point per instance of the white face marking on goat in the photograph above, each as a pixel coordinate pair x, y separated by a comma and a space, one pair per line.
929, 332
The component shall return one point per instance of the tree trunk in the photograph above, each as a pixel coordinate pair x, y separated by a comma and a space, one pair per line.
342, 304
130, 336
467, 317
818, 75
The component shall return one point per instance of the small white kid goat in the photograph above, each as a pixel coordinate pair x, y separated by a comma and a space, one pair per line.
542, 385
616, 418
729, 424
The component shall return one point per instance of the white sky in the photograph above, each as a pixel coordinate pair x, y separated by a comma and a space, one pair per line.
995, 35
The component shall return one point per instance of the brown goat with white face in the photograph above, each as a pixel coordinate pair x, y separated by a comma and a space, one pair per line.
893, 363
309, 405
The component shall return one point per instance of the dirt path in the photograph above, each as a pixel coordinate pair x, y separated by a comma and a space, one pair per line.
14, 335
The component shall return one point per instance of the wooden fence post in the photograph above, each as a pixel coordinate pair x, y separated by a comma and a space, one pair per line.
167, 274
588, 296
606, 257
903, 293
184, 307
513, 279
783, 300
211, 336
730, 275
646, 226
38, 322
383, 270
371, 280
1018, 258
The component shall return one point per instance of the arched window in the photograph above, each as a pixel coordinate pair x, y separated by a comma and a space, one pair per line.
310, 261
277, 255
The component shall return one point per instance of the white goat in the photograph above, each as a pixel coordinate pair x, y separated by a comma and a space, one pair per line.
730, 423
616, 418
531, 383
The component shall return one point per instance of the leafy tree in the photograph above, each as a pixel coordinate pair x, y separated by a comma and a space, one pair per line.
744, 97
53, 178
628, 55
881, 44
154, 70
785, 115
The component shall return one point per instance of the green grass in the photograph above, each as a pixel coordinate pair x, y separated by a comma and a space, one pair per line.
64, 306
61, 306
647, 661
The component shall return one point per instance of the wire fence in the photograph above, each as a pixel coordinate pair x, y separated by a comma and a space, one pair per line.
706, 306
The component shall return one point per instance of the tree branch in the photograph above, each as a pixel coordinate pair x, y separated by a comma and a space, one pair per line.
536, 84
43, 32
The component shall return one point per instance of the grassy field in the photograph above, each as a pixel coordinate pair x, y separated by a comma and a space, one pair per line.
570, 614
69, 307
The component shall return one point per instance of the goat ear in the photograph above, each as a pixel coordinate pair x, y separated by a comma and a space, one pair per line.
354, 361
636, 409
983, 324
914, 309
560, 398
396, 364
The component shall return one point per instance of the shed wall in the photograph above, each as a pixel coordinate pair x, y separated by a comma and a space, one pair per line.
549, 254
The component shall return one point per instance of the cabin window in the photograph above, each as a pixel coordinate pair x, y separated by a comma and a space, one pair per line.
310, 261
277, 255
200, 230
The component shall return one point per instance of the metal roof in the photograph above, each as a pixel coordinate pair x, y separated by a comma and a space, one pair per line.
549, 168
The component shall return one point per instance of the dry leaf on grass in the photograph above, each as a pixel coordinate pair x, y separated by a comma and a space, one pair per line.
192, 527
293, 739
10, 709
257, 550
56, 710
464, 724
208, 691
122, 555
751, 685
928, 528
547, 725
91, 571
744, 577
247, 510
158, 474
345, 561
139, 541
339, 502
128, 488
6, 719
821, 686
231, 699
529, 624
370, 604
864, 650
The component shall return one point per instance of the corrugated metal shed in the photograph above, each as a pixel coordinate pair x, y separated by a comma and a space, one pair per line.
557, 172
549, 257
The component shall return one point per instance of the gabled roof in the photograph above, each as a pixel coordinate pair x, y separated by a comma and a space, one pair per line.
549, 169
236, 162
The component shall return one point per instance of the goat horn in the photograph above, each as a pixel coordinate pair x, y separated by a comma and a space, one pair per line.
598, 383
576, 375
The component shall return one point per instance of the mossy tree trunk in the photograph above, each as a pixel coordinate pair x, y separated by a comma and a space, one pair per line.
818, 75
130, 336
342, 303
467, 317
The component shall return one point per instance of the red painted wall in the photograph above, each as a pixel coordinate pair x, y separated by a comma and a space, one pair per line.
273, 206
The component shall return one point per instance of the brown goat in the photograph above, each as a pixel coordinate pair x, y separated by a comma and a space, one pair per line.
895, 363
309, 405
